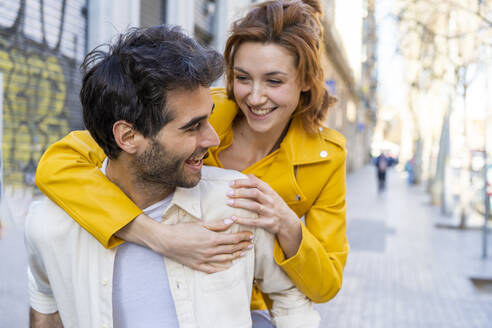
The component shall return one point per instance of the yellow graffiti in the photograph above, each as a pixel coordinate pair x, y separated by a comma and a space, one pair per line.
34, 113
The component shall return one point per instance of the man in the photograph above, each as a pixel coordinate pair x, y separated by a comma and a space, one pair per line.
146, 102
381, 164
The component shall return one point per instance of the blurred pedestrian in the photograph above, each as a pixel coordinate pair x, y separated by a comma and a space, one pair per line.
382, 163
270, 123
410, 169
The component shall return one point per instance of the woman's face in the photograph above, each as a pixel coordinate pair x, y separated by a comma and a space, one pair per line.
265, 85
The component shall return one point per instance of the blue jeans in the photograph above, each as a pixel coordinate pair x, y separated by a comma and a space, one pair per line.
261, 319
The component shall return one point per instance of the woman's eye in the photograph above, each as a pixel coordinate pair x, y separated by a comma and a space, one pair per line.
274, 81
241, 78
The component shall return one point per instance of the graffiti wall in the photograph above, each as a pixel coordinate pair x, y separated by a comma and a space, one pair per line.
41, 46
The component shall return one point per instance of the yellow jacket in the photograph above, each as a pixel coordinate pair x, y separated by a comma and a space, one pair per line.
307, 171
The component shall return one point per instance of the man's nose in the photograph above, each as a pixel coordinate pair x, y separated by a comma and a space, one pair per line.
210, 138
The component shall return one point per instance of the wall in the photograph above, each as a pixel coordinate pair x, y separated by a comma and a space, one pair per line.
42, 44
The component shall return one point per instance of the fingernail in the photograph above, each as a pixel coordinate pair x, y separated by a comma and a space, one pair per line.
250, 246
231, 183
234, 218
228, 221
230, 201
230, 192
242, 254
252, 237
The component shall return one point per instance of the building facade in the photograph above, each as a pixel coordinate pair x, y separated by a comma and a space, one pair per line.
42, 44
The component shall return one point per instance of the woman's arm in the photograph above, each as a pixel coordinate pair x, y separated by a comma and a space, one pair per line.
315, 256
317, 268
68, 173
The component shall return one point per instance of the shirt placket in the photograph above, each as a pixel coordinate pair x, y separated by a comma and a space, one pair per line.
106, 288
179, 282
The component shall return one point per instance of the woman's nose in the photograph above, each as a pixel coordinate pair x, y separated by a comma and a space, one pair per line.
257, 97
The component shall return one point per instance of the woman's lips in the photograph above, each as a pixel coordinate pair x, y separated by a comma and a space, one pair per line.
260, 113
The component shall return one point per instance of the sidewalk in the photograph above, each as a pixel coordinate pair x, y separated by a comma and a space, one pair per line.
402, 271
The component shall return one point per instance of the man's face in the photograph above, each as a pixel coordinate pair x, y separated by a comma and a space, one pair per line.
174, 157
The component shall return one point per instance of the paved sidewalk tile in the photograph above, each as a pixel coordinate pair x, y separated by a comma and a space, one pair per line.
402, 271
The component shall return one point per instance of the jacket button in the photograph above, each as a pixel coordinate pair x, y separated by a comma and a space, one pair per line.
298, 197
323, 154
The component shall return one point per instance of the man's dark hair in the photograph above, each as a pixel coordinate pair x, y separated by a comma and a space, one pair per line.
130, 80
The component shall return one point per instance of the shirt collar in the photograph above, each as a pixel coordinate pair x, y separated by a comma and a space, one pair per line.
188, 199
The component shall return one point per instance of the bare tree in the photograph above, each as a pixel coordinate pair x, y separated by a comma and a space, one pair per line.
441, 42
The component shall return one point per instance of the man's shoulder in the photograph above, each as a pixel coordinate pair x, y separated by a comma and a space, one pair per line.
45, 219
213, 193
45, 207
219, 175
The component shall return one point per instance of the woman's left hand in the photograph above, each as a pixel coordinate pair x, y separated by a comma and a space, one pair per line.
257, 196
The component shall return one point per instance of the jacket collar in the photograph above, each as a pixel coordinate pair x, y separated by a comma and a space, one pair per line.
299, 146
303, 148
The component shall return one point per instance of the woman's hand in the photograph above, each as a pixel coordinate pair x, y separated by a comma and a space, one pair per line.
273, 213
201, 246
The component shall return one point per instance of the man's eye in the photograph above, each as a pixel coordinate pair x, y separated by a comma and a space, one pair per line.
195, 127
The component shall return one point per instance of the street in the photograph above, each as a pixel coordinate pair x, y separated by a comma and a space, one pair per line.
402, 271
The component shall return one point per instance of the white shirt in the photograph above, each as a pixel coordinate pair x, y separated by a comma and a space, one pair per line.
70, 271
141, 293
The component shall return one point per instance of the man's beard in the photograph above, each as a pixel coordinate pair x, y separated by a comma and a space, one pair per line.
161, 168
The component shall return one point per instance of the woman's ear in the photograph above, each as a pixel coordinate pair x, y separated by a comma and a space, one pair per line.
125, 136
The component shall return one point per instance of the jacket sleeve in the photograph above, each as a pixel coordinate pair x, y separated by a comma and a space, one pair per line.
290, 308
317, 268
68, 173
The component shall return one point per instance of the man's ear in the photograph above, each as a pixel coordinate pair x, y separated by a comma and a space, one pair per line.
126, 137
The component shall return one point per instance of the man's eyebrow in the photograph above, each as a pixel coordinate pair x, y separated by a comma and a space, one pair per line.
267, 74
195, 120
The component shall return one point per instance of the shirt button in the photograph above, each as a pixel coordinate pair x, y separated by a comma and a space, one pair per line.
323, 154
104, 325
104, 282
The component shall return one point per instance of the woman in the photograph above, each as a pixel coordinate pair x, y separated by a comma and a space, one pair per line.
270, 126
